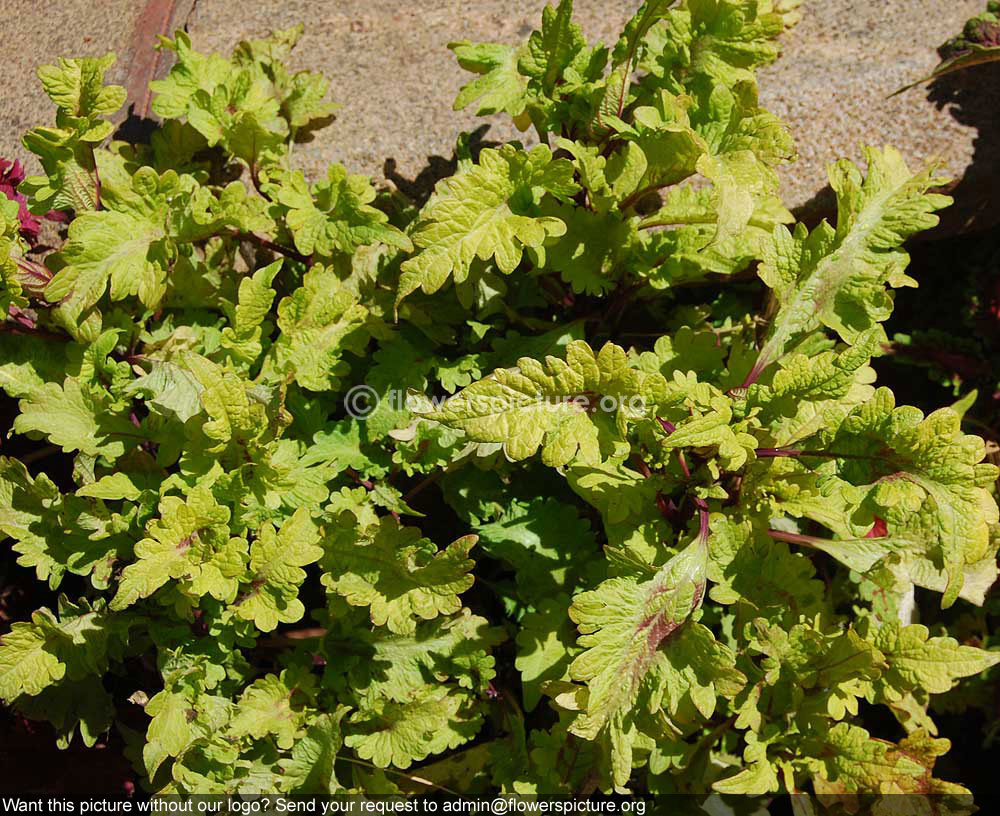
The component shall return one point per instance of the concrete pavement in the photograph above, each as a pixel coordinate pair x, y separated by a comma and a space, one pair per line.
395, 80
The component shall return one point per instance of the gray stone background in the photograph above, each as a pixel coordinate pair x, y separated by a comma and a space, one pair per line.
391, 72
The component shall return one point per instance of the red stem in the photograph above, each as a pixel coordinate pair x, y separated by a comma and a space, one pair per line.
754, 373
702, 519
267, 243
36, 331
637, 195
97, 181
684, 465
669, 427
367, 484
642, 467
429, 480
774, 453
794, 538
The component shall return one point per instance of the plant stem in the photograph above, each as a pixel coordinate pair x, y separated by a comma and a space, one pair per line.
367, 484
38, 455
712, 736
669, 427
97, 180
794, 538
754, 374
411, 777
637, 196
703, 529
642, 467
775, 453
682, 461
267, 243
425, 482
658, 220
11, 328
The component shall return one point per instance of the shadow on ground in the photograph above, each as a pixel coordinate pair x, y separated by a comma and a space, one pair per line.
972, 97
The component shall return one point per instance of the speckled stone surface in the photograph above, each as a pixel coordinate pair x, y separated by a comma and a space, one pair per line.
391, 71
33, 33
392, 74
837, 71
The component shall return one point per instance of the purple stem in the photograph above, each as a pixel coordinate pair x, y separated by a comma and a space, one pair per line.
774, 453
97, 181
702, 519
794, 538
684, 465
642, 467
669, 427
755, 372
667, 508
367, 484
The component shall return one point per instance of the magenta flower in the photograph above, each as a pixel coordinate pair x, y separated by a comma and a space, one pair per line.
12, 174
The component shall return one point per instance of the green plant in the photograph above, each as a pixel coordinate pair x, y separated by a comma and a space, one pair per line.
683, 565
978, 43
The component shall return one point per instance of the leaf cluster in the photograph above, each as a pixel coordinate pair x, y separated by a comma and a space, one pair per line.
574, 477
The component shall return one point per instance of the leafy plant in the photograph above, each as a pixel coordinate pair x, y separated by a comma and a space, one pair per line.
978, 43
689, 561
